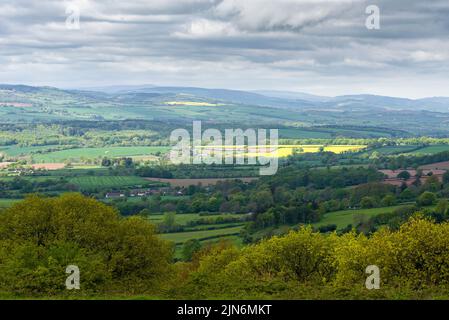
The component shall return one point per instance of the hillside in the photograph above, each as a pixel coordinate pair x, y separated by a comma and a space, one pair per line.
19, 103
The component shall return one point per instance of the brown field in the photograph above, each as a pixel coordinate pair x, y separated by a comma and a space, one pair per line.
436, 166
392, 174
409, 182
48, 166
193, 182
4, 164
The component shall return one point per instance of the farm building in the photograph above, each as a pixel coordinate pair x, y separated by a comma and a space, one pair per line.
114, 195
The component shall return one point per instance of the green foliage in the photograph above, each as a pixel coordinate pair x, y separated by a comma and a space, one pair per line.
411, 260
427, 199
388, 200
40, 237
446, 177
368, 203
405, 175
189, 248
442, 207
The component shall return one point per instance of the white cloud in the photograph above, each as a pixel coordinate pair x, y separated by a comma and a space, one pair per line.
244, 44
428, 56
203, 28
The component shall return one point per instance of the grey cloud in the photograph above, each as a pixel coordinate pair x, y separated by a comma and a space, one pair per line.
322, 46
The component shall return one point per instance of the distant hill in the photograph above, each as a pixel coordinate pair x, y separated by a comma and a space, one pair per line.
293, 95
116, 89
235, 96
21, 103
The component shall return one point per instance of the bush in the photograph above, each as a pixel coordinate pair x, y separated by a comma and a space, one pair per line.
404, 175
40, 237
368, 203
427, 199
389, 200
412, 260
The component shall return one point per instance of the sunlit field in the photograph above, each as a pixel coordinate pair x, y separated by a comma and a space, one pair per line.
282, 151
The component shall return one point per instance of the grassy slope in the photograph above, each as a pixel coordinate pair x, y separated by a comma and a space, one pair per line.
340, 218
111, 152
182, 237
431, 150
389, 150
91, 182
344, 218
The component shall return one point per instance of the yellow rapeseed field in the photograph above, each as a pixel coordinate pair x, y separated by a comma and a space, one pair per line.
282, 151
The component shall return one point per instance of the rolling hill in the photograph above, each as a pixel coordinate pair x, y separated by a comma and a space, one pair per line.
20, 103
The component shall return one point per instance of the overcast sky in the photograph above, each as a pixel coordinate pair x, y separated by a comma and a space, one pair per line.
314, 46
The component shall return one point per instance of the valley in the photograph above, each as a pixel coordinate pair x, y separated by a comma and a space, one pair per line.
334, 177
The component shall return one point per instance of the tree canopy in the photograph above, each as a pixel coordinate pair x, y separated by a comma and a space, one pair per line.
40, 237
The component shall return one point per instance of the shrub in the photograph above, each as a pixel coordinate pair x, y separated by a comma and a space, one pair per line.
40, 237
412, 260
427, 199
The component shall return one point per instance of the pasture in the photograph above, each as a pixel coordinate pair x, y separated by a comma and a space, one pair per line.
80, 154
181, 237
31, 178
344, 218
18, 151
91, 183
185, 218
430, 150
108, 182
391, 150
181, 219
194, 182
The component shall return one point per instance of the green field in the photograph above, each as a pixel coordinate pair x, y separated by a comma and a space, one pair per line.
390, 150
328, 133
79, 171
182, 237
339, 218
234, 239
30, 178
16, 151
181, 219
431, 150
92, 182
215, 226
94, 153
105, 182
344, 218
6, 203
